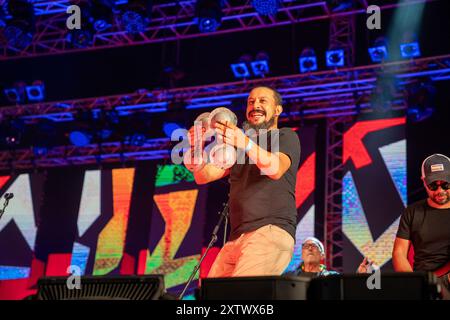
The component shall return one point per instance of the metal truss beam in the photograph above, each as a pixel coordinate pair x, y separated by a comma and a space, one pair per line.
323, 94
172, 21
319, 94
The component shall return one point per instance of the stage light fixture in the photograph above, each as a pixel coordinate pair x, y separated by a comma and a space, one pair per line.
80, 138
136, 16
240, 70
36, 92
101, 14
16, 93
20, 28
410, 50
266, 7
308, 60
209, 15
335, 58
136, 139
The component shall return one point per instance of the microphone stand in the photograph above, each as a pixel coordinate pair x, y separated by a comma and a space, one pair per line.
223, 215
5, 204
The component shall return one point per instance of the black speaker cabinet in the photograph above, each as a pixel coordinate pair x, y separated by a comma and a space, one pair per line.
255, 288
149, 287
391, 286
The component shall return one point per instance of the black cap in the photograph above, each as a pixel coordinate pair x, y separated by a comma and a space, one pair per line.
436, 167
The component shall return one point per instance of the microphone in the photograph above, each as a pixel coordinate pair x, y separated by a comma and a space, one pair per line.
8, 196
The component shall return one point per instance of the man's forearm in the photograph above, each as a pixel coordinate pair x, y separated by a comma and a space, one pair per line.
401, 264
266, 161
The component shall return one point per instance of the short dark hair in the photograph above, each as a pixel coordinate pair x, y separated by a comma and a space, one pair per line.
276, 95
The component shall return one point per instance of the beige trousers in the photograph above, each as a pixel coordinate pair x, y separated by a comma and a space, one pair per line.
263, 252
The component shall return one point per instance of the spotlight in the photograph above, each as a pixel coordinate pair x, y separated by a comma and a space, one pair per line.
240, 70
266, 7
136, 16
81, 38
101, 15
410, 50
260, 66
378, 52
335, 58
209, 15
137, 139
36, 92
15, 94
20, 29
80, 138
308, 60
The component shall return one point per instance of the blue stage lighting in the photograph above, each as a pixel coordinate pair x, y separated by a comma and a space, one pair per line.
136, 16
260, 67
80, 138
137, 139
266, 7
209, 14
410, 50
378, 54
170, 127
335, 58
207, 24
40, 151
15, 95
308, 64
36, 92
240, 70
20, 28
81, 38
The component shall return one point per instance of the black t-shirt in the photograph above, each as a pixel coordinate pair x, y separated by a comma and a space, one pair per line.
428, 229
257, 200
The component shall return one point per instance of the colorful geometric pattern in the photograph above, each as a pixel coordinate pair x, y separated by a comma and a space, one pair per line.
305, 228
306, 181
90, 201
20, 209
354, 147
394, 157
112, 238
172, 174
177, 209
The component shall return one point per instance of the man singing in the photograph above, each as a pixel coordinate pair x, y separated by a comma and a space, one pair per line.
426, 224
263, 215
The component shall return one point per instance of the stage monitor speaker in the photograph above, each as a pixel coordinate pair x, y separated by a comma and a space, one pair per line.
255, 288
149, 287
392, 286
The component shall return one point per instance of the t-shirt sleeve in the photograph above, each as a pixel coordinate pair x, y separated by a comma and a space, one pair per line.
405, 226
290, 145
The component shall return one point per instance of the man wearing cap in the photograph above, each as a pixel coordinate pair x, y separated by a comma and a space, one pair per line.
313, 254
426, 225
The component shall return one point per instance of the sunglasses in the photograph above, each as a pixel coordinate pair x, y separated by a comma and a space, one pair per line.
434, 186
310, 246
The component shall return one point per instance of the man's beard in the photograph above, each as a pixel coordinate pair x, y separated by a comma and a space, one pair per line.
261, 126
443, 202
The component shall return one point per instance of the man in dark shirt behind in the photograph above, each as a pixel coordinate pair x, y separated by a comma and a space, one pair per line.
426, 224
263, 215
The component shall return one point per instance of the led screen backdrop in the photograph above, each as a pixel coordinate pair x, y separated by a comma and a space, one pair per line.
149, 219
374, 190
